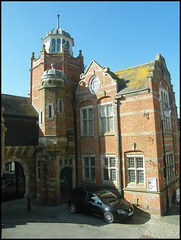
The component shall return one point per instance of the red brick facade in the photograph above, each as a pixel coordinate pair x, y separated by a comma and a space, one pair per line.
118, 140
140, 134
56, 134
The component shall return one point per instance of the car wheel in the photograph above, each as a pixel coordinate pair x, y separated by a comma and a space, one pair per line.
108, 217
72, 208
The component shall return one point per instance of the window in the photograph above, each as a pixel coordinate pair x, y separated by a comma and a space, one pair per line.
38, 170
53, 45
58, 45
94, 84
92, 198
61, 163
89, 168
68, 47
109, 168
9, 167
164, 100
60, 105
170, 166
82, 194
106, 118
87, 128
41, 117
135, 169
50, 112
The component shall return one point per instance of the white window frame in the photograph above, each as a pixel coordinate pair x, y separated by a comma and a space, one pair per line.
52, 111
109, 168
164, 99
170, 165
107, 123
89, 179
88, 121
135, 169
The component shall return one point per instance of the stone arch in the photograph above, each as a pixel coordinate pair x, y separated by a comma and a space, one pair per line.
25, 170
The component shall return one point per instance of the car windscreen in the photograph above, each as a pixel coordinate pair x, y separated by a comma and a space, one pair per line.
108, 197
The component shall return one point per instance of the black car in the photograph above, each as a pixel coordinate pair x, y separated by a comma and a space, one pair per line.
105, 202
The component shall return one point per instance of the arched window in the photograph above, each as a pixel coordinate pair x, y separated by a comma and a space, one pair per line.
68, 47
50, 111
63, 42
53, 45
60, 105
41, 117
58, 45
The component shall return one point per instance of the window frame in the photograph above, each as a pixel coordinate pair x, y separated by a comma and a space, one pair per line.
50, 105
170, 165
109, 168
163, 100
58, 47
41, 117
107, 132
60, 103
135, 169
90, 167
88, 134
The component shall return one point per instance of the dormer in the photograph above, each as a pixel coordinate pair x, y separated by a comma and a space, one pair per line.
55, 39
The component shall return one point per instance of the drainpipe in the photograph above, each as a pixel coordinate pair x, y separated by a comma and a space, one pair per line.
75, 130
118, 143
164, 163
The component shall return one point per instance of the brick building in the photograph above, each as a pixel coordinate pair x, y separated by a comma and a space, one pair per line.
119, 132
103, 128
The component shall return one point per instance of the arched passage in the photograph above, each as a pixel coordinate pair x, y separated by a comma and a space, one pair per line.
15, 181
65, 182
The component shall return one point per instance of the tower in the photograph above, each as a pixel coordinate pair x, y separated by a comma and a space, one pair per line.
54, 76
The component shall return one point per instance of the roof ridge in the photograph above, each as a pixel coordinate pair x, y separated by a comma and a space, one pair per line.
134, 66
4, 94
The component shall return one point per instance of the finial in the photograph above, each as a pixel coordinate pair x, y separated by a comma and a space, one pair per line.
52, 66
33, 55
58, 19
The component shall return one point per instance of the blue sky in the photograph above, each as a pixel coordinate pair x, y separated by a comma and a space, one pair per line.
114, 34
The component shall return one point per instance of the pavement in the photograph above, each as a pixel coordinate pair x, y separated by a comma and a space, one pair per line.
47, 221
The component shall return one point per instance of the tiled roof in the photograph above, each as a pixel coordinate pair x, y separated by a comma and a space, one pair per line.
17, 106
134, 78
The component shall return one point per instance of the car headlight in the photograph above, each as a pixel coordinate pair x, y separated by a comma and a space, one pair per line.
121, 212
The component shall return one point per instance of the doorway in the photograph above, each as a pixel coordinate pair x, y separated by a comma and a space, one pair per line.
13, 182
65, 182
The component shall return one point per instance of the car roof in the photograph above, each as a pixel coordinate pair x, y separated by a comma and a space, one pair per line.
96, 189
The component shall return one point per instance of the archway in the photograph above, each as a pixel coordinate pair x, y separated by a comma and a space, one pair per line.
65, 182
15, 180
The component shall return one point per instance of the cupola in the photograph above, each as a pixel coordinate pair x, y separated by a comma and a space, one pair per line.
55, 39
52, 78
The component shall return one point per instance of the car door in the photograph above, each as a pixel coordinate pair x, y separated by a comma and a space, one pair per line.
82, 201
94, 204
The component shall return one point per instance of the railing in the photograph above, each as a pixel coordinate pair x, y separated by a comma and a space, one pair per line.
6, 182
